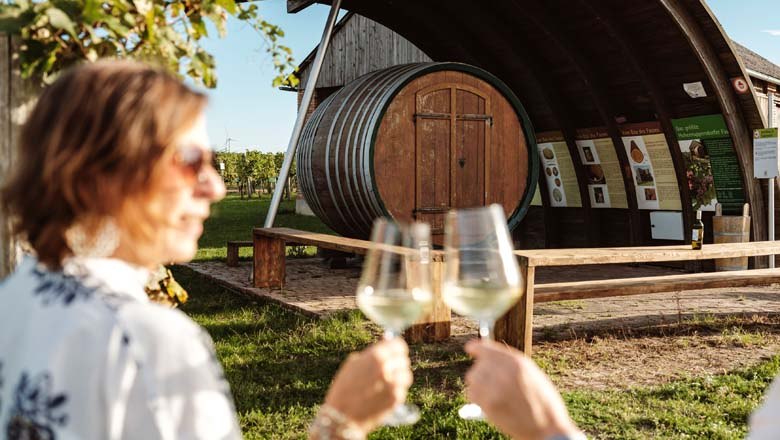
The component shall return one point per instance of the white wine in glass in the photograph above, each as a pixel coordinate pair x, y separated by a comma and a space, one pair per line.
481, 277
395, 287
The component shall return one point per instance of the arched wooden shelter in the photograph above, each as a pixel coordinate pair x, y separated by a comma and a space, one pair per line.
628, 101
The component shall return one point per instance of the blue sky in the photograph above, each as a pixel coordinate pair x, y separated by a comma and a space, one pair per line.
261, 117
244, 103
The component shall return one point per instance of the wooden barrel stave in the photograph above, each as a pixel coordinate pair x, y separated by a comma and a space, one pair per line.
731, 229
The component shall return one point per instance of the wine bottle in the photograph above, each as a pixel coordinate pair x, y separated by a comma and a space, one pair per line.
697, 235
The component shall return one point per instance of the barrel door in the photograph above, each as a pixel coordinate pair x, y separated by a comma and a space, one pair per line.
452, 129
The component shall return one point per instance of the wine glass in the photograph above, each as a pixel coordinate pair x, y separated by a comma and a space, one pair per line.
395, 287
481, 277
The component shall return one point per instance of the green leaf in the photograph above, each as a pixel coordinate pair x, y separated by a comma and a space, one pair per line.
166, 31
150, 25
60, 20
14, 17
176, 9
229, 5
198, 26
117, 27
92, 11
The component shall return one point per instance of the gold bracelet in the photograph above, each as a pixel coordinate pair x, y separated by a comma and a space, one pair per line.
331, 424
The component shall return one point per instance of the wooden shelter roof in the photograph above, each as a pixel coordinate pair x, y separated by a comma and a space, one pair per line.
578, 64
584, 52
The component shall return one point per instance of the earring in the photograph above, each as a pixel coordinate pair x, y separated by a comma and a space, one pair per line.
102, 243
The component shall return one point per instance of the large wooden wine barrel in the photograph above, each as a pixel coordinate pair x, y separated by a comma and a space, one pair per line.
413, 141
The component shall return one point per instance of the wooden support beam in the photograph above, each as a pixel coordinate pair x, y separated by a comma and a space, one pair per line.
269, 262
435, 325
646, 254
641, 68
7, 251
732, 112
232, 251
18, 97
555, 32
295, 6
645, 285
269, 271
461, 49
515, 328
519, 56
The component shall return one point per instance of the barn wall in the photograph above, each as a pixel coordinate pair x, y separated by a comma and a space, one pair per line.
361, 46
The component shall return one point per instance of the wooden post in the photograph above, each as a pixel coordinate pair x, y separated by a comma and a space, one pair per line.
7, 245
729, 103
232, 255
269, 262
545, 21
515, 328
434, 326
17, 98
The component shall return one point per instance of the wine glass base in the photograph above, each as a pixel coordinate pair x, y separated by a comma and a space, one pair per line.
402, 415
471, 411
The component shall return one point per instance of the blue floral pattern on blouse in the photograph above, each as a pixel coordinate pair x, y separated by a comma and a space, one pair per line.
57, 286
66, 289
36, 410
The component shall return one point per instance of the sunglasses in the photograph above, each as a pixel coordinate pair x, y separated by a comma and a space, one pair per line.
193, 160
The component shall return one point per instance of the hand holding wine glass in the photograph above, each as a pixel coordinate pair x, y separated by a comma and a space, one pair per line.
395, 287
481, 278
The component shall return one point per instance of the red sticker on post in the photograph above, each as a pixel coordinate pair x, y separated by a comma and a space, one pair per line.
740, 85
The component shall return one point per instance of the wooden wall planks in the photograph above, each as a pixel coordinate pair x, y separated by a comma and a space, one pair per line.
360, 46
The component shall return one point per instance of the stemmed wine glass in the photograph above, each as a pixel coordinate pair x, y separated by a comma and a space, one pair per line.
481, 277
395, 287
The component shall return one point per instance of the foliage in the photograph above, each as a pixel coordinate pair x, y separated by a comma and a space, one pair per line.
56, 34
251, 169
279, 365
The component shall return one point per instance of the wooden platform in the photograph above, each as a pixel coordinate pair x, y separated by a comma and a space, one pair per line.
269, 270
515, 328
315, 290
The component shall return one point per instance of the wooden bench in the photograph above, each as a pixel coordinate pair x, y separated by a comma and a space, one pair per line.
516, 327
270, 267
232, 251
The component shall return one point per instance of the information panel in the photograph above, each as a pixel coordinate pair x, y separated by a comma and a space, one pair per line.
712, 168
558, 170
652, 168
765, 145
602, 168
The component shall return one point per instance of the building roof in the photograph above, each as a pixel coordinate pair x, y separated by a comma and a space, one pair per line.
757, 63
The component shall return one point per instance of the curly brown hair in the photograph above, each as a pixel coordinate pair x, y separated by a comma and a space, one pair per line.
94, 142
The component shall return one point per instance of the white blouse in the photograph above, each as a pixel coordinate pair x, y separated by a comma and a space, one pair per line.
85, 355
765, 420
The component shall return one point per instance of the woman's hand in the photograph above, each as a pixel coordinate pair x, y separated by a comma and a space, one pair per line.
514, 393
370, 383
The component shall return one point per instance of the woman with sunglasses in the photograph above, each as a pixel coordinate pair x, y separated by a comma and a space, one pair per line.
113, 178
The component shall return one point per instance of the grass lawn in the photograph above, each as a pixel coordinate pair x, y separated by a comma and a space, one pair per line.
279, 365
233, 219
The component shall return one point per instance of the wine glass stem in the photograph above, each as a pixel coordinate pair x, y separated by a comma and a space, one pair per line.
390, 334
485, 329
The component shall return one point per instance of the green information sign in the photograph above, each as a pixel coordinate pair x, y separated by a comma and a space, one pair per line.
765, 133
713, 171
